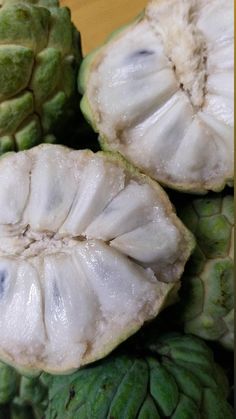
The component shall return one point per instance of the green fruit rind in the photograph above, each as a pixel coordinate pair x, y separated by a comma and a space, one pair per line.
129, 397
149, 410
9, 380
32, 390
213, 406
144, 387
163, 388
21, 397
207, 296
187, 382
85, 69
186, 409
39, 60
19, 410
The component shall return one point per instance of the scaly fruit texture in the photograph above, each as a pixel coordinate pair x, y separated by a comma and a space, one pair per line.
177, 378
39, 59
160, 91
207, 295
21, 397
89, 250
9, 381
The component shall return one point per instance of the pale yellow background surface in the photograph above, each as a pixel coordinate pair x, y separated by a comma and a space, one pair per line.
96, 19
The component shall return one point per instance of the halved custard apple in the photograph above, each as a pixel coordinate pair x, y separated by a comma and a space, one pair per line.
89, 250
160, 92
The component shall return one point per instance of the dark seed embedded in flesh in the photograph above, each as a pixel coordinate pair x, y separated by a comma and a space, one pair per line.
3, 277
144, 52
140, 55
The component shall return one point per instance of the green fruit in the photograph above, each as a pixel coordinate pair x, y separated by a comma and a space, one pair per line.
9, 381
39, 60
166, 101
207, 296
155, 385
90, 249
21, 397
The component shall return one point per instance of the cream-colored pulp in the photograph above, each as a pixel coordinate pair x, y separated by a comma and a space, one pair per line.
161, 92
86, 251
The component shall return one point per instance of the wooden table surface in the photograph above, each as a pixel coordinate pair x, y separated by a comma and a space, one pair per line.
96, 19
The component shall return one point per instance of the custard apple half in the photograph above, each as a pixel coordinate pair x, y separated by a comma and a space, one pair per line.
207, 295
89, 250
39, 60
160, 91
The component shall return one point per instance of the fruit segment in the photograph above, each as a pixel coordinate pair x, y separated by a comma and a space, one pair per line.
14, 191
53, 187
131, 208
21, 313
99, 183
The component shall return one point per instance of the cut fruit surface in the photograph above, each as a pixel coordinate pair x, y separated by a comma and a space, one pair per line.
90, 249
160, 100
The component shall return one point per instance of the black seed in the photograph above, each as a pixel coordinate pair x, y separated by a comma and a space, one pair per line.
140, 55
144, 52
3, 277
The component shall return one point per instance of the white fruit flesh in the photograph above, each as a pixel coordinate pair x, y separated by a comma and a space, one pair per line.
87, 248
148, 87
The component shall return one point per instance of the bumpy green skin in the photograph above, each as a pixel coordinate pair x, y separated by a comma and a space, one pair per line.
207, 295
21, 397
176, 378
39, 60
9, 382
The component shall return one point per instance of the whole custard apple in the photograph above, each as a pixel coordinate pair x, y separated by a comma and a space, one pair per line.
39, 60
175, 377
207, 295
